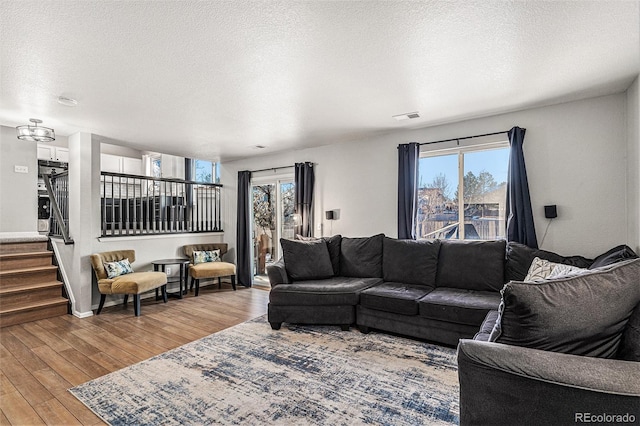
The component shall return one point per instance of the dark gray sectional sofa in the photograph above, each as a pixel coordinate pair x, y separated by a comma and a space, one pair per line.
560, 351
438, 290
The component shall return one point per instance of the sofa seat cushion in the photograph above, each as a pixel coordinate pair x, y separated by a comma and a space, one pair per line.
332, 291
134, 283
458, 305
212, 270
471, 265
394, 297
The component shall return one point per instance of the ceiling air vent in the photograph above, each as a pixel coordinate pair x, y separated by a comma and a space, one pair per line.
407, 116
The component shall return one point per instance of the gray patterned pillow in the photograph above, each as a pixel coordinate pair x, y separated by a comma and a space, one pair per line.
120, 267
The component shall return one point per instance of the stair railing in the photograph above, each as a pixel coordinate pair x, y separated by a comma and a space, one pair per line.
58, 190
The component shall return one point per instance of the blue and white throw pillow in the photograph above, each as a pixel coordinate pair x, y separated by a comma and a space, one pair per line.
115, 269
205, 256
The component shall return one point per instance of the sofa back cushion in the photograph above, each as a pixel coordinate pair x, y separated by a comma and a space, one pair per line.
333, 245
616, 254
306, 260
410, 261
361, 257
580, 315
471, 265
519, 258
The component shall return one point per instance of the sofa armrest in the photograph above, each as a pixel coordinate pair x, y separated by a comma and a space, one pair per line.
503, 384
277, 273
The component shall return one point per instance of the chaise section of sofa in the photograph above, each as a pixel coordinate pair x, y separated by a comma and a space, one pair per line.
319, 281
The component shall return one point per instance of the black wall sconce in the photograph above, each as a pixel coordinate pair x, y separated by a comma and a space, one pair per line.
329, 215
550, 212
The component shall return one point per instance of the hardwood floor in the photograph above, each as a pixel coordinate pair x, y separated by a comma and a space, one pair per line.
40, 360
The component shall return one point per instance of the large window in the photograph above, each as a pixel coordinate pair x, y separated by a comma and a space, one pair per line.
463, 186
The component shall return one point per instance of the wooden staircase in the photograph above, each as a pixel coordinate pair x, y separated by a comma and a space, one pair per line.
29, 288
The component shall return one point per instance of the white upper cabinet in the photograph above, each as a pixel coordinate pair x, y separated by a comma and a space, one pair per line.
118, 164
53, 153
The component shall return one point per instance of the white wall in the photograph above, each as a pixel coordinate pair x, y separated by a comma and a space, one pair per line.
633, 166
18, 191
575, 154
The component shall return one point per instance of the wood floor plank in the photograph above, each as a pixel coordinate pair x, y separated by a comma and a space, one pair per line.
5, 385
78, 409
62, 365
24, 381
18, 411
22, 353
56, 413
47, 337
41, 360
84, 363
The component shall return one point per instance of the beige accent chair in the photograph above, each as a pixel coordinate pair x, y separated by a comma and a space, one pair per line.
134, 283
210, 269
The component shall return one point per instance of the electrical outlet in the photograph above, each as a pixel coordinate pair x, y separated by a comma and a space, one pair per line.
167, 271
21, 169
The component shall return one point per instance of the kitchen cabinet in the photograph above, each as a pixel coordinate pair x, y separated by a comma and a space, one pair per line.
119, 164
53, 153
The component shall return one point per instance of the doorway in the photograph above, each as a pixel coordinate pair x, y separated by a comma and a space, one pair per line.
272, 202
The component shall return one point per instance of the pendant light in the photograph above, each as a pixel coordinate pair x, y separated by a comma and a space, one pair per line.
35, 133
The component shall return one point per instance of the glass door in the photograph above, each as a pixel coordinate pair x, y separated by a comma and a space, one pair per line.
272, 219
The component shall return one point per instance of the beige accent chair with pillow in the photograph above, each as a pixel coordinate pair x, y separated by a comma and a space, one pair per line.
209, 269
132, 283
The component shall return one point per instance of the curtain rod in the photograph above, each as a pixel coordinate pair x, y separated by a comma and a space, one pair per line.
271, 168
465, 137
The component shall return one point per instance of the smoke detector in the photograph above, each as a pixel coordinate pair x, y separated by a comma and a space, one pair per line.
407, 116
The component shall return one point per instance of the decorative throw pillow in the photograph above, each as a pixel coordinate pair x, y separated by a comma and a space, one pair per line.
120, 267
539, 270
542, 270
333, 245
581, 315
306, 260
562, 271
206, 256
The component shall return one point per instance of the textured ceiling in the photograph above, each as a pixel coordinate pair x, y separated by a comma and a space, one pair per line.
212, 79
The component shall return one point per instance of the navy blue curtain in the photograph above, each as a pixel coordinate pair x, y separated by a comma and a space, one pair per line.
243, 234
520, 226
408, 156
304, 180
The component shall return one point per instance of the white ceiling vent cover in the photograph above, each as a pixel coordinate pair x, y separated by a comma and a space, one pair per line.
407, 116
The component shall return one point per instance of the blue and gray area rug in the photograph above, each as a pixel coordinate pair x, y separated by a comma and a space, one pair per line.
300, 375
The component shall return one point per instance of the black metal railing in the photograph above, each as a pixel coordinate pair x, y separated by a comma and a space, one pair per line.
142, 205
58, 191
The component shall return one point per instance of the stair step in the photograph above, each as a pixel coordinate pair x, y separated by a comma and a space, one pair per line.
33, 311
13, 297
25, 260
23, 276
23, 247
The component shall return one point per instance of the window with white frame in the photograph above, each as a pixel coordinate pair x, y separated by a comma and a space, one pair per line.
463, 185
205, 171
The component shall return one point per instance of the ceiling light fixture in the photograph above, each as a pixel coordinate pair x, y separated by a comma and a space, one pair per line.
63, 100
407, 116
35, 133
